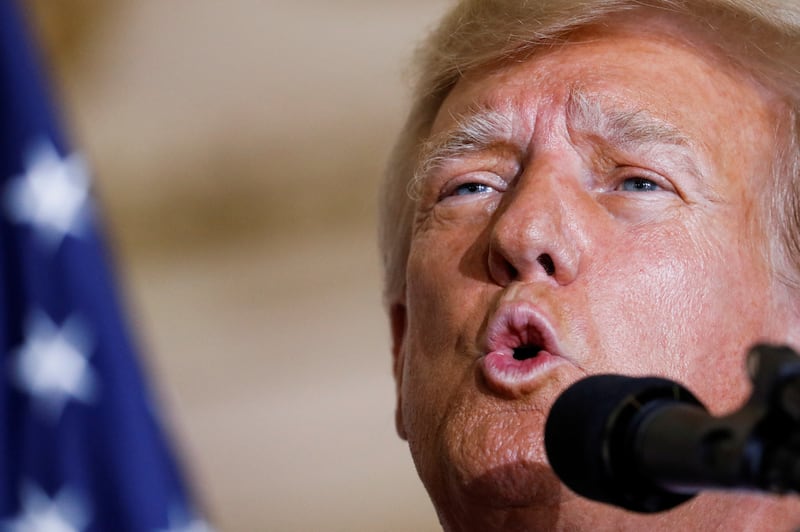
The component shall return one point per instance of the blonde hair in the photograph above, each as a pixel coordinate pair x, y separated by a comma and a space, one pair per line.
762, 37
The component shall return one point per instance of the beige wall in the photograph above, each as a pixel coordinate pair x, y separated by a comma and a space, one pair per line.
237, 147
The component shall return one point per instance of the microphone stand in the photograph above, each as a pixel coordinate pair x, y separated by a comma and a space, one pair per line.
755, 448
772, 453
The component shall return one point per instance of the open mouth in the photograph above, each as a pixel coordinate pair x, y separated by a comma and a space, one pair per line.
527, 352
520, 349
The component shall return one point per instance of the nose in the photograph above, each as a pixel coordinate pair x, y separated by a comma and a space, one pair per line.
540, 229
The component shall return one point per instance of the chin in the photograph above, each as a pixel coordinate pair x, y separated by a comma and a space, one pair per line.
516, 485
498, 460
518, 496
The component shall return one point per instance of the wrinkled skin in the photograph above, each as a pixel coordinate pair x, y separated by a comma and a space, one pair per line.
637, 258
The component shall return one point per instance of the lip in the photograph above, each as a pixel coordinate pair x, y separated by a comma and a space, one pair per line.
515, 325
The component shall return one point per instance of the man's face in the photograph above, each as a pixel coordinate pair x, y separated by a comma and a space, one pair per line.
595, 207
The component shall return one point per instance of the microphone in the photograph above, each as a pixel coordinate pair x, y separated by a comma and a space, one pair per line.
647, 444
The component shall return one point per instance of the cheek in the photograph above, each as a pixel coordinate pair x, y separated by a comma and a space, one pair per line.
675, 306
431, 309
438, 306
446, 282
446, 297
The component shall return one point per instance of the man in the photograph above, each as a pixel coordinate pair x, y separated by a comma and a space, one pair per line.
588, 187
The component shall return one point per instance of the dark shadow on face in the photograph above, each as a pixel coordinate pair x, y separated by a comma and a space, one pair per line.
542, 508
474, 264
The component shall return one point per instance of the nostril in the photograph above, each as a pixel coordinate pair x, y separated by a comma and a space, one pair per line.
547, 263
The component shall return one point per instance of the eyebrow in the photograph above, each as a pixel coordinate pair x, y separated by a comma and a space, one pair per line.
476, 130
482, 127
629, 129
620, 127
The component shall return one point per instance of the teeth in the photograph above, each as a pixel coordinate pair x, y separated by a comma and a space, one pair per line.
525, 352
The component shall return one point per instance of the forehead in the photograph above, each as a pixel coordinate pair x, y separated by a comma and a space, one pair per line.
620, 67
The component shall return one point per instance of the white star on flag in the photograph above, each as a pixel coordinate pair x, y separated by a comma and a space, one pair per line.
52, 195
52, 364
40, 513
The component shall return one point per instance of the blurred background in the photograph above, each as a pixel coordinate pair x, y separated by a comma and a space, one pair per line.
237, 148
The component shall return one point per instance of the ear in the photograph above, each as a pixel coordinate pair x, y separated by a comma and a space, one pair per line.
397, 317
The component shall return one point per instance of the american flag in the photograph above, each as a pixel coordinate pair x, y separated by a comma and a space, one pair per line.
81, 442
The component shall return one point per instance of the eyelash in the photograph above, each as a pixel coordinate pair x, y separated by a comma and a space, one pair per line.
486, 181
640, 184
660, 184
469, 186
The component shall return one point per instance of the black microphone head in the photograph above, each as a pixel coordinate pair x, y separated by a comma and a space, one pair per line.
587, 438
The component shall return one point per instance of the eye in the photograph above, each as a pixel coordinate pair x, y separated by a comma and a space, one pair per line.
467, 189
475, 185
638, 184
